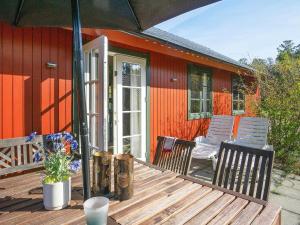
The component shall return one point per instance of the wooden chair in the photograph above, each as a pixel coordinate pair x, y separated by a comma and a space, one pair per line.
178, 160
17, 155
234, 170
220, 129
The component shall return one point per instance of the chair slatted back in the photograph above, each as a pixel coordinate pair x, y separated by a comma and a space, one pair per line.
178, 160
17, 155
220, 129
252, 132
245, 170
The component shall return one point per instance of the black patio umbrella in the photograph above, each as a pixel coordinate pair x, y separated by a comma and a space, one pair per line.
129, 15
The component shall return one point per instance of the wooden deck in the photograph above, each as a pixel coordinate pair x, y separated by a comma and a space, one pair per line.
160, 197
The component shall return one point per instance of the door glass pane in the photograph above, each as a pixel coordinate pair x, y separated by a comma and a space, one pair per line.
131, 99
132, 145
131, 75
131, 107
131, 123
95, 65
110, 103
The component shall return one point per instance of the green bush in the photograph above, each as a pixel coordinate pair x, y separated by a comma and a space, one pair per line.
279, 86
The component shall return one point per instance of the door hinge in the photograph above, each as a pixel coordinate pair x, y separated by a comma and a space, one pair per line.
116, 73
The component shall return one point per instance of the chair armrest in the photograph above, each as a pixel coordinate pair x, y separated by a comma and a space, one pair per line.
231, 141
199, 139
268, 147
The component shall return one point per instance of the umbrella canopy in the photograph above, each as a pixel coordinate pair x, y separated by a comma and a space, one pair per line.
131, 15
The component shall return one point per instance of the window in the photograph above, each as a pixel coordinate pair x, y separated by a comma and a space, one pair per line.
199, 92
238, 97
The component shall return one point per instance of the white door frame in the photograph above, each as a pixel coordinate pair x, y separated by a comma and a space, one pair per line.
118, 110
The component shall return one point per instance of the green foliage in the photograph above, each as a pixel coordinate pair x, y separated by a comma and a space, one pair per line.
279, 85
57, 168
288, 49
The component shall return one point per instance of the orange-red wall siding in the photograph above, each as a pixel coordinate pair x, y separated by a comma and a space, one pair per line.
169, 101
36, 98
32, 96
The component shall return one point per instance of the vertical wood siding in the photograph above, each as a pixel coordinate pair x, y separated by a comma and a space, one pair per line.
169, 101
36, 98
32, 96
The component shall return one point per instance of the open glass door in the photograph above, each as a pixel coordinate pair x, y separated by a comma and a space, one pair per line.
96, 83
131, 105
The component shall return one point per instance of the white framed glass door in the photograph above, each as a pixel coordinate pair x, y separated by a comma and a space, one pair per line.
96, 82
131, 105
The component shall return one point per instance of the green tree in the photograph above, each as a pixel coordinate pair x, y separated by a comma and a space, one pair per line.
288, 48
244, 61
279, 85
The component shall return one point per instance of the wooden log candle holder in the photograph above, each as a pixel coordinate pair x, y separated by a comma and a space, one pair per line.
123, 176
102, 173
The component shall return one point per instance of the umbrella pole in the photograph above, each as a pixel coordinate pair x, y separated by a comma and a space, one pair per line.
80, 93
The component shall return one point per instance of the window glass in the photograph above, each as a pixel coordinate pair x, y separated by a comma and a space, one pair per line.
200, 96
238, 96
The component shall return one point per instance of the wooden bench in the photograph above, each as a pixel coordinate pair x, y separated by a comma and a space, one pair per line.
17, 155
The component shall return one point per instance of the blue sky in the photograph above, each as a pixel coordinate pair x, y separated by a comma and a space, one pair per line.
240, 28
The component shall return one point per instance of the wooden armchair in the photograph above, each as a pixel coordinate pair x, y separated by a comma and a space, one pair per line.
235, 171
178, 160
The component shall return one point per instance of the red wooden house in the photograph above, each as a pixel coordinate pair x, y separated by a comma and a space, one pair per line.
138, 86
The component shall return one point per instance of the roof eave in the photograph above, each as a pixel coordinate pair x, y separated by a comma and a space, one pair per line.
142, 35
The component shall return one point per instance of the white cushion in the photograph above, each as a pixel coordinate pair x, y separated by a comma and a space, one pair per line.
205, 151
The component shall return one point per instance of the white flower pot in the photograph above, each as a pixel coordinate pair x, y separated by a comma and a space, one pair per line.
58, 195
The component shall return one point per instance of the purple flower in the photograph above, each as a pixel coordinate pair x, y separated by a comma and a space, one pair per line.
37, 157
74, 145
54, 137
58, 136
50, 137
31, 136
75, 165
68, 137
58, 146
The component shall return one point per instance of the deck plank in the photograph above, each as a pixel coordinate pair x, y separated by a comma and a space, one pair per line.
153, 199
177, 207
268, 215
163, 177
210, 212
188, 213
12, 218
227, 215
146, 175
141, 215
247, 215
44, 216
143, 195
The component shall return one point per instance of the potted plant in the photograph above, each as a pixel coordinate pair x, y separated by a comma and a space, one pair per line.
59, 154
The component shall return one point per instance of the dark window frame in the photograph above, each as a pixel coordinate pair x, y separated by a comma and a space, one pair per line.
199, 70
